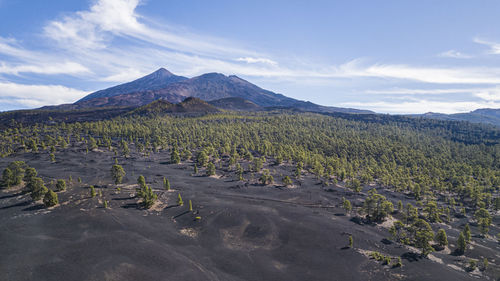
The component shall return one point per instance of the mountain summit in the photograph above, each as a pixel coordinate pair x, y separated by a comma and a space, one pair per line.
156, 80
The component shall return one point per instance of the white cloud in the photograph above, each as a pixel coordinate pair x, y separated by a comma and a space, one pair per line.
455, 54
257, 60
38, 95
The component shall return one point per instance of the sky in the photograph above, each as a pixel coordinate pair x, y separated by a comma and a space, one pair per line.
393, 57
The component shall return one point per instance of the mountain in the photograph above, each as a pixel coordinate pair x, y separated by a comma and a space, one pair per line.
154, 81
162, 84
484, 115
238, 104
189, 105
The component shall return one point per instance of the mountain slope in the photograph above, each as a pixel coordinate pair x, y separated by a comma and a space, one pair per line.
484, 115
189, 105
156, 80
231, 103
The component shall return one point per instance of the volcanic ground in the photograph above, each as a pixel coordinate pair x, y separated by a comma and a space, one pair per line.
236, 231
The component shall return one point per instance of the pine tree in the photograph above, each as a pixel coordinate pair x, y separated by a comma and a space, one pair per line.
210, 169
92, 191
50, 199
166, 183
174, 157
467, 233
117, 173
61, 185
7, 178
37, 188
461, 243
351, 241
441, 238
179, 200
190, 205
287, 181
346, 205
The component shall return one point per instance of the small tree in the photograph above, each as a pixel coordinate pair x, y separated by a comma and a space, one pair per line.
423, 235
61, 185
50, 199
202, 159
52, 157
174, 157
92, 191
467, 233
17, 168
7, 178
351, 241
37, 188
266, 177
141, 181
287, 181
484, 220
210, 169
117, 173
195, 171
190, 205
166, 183
346, 205
29, 174
461, 243
179, 200
376, 207
239, 171
441, 238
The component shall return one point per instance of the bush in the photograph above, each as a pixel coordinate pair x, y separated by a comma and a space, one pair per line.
50, 199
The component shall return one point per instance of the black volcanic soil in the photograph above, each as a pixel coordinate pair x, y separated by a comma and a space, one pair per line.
246, 231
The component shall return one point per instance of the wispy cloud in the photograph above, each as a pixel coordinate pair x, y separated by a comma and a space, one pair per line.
494, 46
455, 54
257, 60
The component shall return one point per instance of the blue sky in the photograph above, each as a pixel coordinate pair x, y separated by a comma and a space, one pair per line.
386, 56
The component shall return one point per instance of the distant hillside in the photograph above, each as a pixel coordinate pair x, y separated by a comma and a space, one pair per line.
156, 80
235, 104
189, 105
486, 115
164, 85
